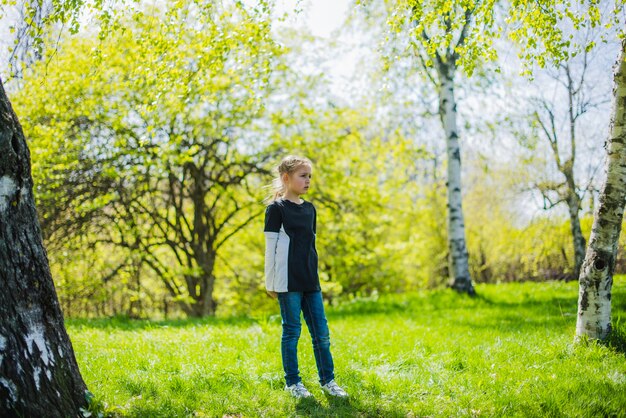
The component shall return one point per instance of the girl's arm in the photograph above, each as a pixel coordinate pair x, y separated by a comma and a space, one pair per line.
273, 222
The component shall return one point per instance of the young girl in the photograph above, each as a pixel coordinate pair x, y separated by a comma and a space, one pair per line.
291, 274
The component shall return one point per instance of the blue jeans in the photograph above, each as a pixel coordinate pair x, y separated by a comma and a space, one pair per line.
312, 306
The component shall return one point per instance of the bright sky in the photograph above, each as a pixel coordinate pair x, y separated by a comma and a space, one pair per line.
324, 19
320, 16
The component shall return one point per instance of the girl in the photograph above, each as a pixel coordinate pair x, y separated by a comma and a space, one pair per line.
291, 274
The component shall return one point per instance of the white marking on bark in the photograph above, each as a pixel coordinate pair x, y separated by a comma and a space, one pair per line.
49, 374
7, 191
60, 350
35, 336
36, 372
11, 388
3, 345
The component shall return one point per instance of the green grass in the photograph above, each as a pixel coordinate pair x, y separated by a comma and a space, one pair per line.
509, 352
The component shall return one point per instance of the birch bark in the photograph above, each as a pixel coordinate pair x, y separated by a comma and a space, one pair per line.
596, 277
459, 257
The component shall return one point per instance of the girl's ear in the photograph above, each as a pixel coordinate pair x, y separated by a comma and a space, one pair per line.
285, 178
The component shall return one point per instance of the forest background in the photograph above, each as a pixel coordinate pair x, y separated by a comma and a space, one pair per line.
152, 146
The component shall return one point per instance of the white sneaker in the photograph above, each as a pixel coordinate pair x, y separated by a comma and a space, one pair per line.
333, 389
298, 390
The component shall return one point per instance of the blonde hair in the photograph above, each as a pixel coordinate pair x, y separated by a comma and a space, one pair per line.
288, 165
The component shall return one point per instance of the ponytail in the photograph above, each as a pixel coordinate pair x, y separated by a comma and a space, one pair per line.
288, 165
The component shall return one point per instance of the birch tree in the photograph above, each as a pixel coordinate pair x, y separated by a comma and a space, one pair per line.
541, 36
537, 27
449, 39
596, 277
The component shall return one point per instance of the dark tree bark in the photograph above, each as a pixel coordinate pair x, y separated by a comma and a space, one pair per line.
39, 374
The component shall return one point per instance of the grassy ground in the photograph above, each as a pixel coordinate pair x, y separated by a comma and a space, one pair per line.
508, 352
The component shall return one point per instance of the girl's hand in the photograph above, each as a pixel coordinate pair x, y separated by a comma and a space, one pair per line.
272, 294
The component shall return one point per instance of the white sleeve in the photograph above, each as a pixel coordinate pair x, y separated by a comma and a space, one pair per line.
271, 241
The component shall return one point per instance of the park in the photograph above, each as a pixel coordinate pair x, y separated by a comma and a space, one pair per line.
457, 191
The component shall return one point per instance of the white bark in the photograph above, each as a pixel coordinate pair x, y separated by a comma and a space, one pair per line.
596, 277
7, 191
459, 258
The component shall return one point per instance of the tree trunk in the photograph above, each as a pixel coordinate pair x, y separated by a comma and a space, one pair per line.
461, 279
596, 277
39, 375
205, 304
573, 200
573, 203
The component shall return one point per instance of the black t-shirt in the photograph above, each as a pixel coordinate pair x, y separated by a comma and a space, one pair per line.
299, 224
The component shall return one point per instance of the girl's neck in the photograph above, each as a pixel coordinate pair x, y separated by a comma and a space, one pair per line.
292, 197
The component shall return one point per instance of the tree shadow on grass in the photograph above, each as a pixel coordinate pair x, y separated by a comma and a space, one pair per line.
481, 312
444, 300
555, 304
555, 311
408, 304
617, 337
558, 308
516, 322
130, 324
348, 407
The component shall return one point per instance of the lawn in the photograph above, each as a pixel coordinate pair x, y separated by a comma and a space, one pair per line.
508, 352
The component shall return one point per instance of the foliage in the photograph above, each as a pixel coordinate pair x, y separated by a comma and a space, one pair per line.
448, 32
507, 353
99, 280
545, 29
114, 143
156, 154
539, 251
366, 204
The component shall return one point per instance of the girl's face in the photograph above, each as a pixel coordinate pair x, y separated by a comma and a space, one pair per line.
299, 181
